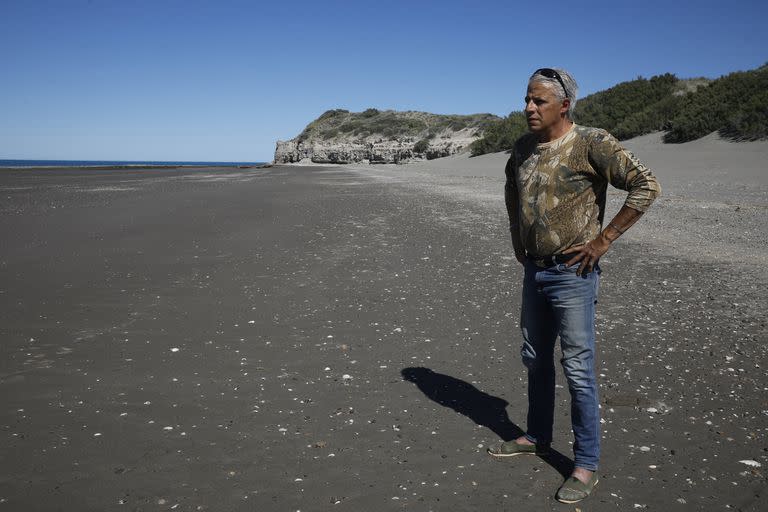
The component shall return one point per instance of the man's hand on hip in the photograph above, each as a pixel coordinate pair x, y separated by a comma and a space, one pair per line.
587, 254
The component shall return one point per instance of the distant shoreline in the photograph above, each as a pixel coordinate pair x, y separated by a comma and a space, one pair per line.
16, 164
130, 167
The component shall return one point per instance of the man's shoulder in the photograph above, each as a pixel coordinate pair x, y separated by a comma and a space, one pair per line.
592, 134
524, 145
525, 142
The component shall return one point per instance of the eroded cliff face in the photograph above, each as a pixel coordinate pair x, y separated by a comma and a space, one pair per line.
377, 151
341, 137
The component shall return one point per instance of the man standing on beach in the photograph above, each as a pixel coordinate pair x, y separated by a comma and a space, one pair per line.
555, 193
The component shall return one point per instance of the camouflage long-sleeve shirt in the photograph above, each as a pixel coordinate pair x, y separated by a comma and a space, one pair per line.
556, 191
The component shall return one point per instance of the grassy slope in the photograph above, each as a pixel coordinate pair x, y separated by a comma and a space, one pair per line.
389, 124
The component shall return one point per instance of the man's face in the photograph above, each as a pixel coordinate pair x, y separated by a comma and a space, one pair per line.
543, 110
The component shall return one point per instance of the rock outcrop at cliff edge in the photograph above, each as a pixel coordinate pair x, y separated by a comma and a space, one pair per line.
373, 136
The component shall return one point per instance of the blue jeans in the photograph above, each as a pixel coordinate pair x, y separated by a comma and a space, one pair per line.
558, 302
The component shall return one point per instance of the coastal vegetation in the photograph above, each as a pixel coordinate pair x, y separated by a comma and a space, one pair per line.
501, 135
735, 105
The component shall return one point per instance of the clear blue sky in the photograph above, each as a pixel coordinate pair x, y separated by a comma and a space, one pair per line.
188, 80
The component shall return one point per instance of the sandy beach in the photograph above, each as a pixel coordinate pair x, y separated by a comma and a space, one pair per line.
346, 338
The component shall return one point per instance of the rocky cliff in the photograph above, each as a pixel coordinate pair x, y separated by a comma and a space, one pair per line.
373, 136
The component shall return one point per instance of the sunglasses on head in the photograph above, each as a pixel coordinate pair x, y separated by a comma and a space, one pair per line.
551, 73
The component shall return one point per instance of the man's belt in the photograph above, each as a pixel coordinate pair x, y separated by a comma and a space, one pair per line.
550, 261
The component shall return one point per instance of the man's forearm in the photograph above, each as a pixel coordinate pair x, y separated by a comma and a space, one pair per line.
589, 253
623, 220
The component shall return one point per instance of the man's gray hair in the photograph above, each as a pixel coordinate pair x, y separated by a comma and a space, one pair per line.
569, 88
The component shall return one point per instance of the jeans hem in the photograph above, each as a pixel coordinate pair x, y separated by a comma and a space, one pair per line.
536, 441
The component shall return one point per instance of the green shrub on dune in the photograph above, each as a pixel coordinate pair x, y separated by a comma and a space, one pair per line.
627, 109
501, 135
736, 105
421, 146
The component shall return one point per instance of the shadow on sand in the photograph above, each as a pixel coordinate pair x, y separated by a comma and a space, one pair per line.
484, 409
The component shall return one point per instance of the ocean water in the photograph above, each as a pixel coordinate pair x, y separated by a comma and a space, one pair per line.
115, 163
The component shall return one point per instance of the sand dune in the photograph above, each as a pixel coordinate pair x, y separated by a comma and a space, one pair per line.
710, 157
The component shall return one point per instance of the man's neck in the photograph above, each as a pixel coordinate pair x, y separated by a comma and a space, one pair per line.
557, 131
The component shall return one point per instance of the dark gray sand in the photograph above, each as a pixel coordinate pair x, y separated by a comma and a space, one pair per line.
322, 339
